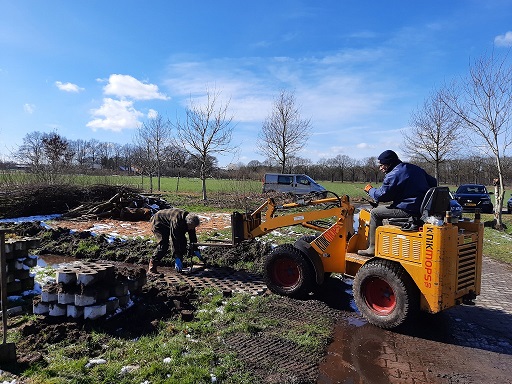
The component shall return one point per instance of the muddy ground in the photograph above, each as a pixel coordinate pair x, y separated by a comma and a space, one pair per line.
159, 300
438, 349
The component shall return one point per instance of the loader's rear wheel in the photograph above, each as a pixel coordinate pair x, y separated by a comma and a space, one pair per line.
385, 294
288, 272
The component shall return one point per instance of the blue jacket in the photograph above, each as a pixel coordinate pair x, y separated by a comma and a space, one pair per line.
405, 187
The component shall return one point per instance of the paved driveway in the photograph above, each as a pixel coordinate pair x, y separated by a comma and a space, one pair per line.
465, 344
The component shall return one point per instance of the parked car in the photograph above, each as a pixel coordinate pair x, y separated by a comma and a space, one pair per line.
455, 207
297, 184
509, 205
474, 196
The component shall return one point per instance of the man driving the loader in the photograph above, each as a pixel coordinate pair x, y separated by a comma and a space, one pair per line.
404, 186
171, 226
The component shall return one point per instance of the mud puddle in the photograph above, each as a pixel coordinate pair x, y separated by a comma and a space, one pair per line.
354, 354
53, 261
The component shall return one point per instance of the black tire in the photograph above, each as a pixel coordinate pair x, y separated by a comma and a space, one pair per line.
385, 294
308, 238
288, 272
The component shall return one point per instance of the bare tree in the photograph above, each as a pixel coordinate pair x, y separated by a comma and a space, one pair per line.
372, 168
434, 132
104, 152
176, 156
93, 150
81, 148
117, 152
31, 151
153, 137
341, 163
284, 132
126, 160
47, 154
206, 131
143, 162
58, 154
483, 102
298, 164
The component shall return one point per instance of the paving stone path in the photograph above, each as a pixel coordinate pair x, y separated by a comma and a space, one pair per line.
464, 344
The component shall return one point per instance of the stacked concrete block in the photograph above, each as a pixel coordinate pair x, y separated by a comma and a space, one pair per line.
18, 264
88, 290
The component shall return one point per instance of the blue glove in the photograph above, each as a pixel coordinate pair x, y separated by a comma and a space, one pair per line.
178, 265
198, 255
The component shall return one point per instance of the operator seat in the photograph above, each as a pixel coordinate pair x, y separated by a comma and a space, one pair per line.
435, 203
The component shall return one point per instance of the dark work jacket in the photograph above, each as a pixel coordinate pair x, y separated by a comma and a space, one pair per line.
174, 221
405, 187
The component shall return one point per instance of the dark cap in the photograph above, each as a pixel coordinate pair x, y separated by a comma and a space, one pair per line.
388, 157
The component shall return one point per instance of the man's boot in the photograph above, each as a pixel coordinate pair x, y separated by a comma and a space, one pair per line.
370, 251
152, 270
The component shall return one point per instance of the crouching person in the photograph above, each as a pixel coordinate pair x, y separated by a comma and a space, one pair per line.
170, 227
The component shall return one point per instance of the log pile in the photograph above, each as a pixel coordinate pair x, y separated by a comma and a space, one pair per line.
127, 206
31, 200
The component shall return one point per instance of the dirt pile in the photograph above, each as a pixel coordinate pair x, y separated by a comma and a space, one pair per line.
87, 246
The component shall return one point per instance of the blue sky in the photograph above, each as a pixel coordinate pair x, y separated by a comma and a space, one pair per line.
97, 69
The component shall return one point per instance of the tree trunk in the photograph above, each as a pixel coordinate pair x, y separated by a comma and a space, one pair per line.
203, 181
202, 174
499, 195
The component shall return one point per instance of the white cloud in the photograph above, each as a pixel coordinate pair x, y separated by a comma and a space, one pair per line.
68, 87
115, 115
29, 108
504, 40
152, 114
349, 107
324, 88
126, 86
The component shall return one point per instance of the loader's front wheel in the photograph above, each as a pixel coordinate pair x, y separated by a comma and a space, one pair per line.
288, 272
385, 294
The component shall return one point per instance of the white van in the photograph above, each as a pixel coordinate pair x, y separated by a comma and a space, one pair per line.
297, 184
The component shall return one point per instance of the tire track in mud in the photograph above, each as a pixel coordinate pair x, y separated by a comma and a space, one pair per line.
272, 357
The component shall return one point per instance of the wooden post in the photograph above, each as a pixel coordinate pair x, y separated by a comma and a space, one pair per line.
7, 350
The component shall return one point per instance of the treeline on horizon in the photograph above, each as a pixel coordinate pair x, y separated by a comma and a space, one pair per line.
92, 157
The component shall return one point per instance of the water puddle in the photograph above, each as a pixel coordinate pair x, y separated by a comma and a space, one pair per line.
354, 355
53, 261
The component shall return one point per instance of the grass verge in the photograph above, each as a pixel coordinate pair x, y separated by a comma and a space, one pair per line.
179, 352
498, 244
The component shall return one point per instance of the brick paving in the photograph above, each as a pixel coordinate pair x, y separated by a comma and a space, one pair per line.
474, 344
487, 325
496, 286
465, 344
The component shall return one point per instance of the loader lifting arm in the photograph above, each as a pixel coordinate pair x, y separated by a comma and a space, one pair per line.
270, 216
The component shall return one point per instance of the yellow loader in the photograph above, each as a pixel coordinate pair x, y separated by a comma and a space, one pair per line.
429, 269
